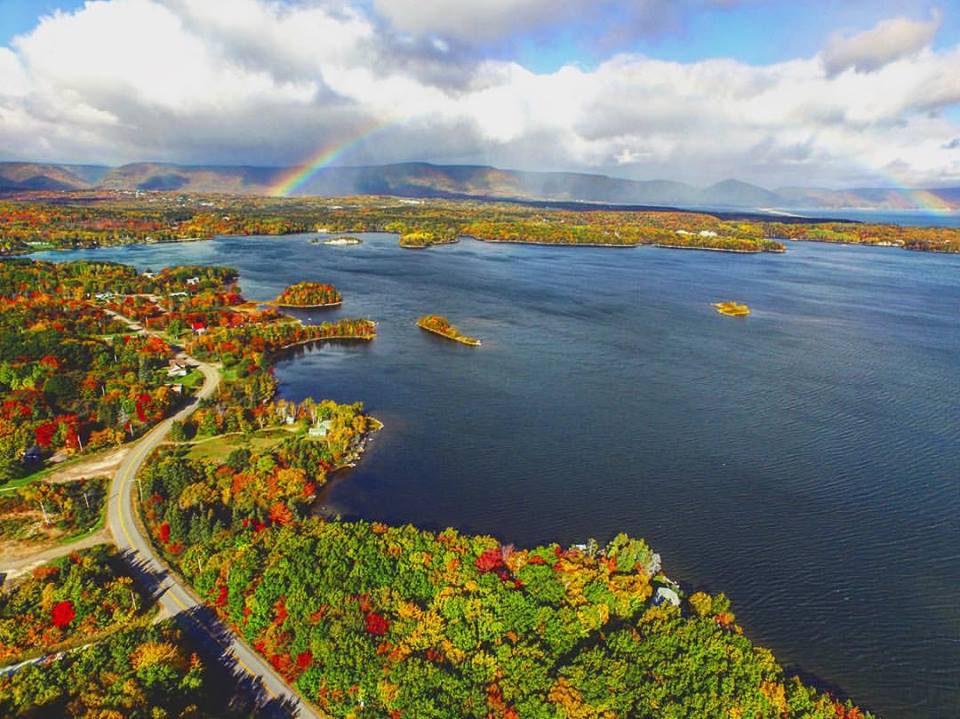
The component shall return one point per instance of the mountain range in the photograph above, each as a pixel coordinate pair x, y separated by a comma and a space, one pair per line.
421, 179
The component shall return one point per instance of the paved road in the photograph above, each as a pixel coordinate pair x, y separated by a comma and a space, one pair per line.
175, 597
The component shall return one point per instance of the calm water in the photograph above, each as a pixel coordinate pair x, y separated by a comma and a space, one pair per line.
904, 217
804, 460
916, 218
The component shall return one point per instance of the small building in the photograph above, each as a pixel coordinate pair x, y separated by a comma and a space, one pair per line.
192, 281
149, 274
177, 368
321, 429
665, 595
198, 328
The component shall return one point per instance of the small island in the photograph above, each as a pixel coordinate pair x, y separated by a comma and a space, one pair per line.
422, 239
308, 295
337, 241
439, 325
731, 309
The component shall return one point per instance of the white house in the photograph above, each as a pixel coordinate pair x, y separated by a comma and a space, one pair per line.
665, 595
321, 429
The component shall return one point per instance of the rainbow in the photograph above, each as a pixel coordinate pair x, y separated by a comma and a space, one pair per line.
924, 199
294, 178
929, 201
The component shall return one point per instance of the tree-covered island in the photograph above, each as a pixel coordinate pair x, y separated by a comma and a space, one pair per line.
309, 295
440, 325
422, 239
731, 309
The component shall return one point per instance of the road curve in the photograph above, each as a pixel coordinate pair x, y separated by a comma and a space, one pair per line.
175, 597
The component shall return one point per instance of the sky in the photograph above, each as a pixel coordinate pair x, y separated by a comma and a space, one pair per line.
832, 93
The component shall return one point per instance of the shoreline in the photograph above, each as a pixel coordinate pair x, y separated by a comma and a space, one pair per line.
428, 245
719, 249
540, 243
356, 454
30, 252
274, 303
337, 338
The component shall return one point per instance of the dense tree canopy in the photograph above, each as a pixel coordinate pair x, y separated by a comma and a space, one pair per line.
309, 294
403, 622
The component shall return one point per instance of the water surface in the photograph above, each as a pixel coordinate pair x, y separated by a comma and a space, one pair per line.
805, 460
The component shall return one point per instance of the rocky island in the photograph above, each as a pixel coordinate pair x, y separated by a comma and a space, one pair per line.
337, 241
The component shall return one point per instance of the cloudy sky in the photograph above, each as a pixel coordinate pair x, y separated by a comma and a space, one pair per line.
779, 92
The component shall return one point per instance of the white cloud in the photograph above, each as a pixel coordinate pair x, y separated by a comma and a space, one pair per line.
886, 42
14, 83
128, 80
485, 20
491, 20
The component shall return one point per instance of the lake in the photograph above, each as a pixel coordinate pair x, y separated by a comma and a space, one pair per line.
804, 460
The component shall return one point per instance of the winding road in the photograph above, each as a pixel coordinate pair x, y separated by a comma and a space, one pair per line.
173, 595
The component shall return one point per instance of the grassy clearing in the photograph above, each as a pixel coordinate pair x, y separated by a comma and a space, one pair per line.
192, 380
217, 448
228, 374
45, 472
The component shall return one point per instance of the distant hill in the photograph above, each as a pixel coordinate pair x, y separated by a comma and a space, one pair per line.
37, 176
421, 179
